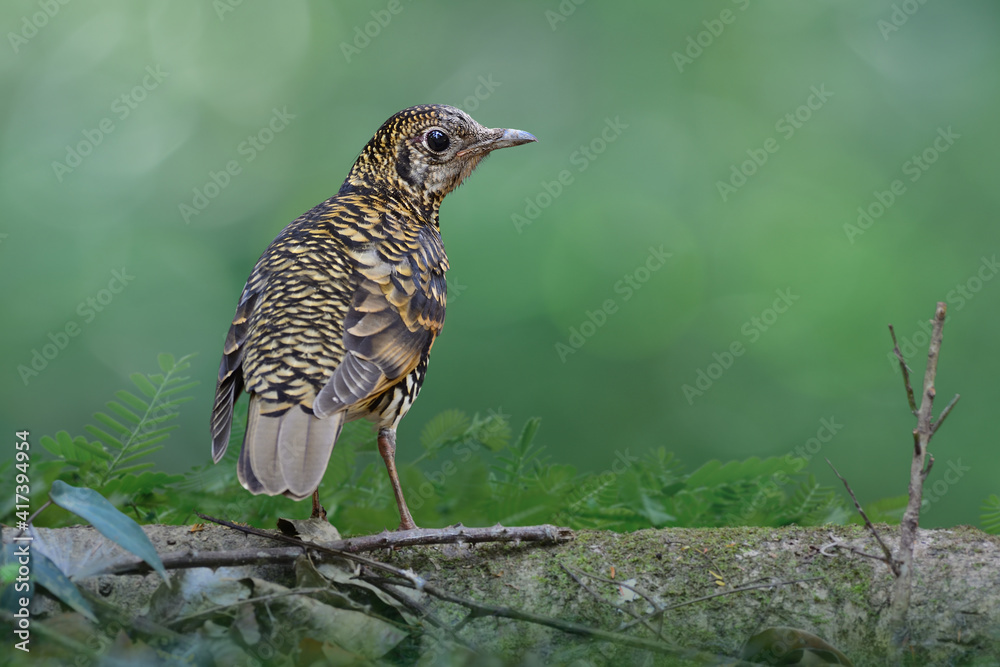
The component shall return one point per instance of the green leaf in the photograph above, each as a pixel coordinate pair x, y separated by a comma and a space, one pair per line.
166, 362
124, 412
174, 390
138, 455
104, 436
148, 481
444, 427
120, 529
144, 385
155, 421
68, 444
153, 441
715, 473
886, 510
170, 405
51, 445
493, 432
54, 581
8, 573
654, 511
112, 423
528, 433
131, 469
132, 400
92, 448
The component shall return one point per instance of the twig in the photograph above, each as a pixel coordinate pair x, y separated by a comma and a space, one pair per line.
741, 589
39, 511
635, 589
180, 560
418, 610
887, 559
619, 607
413, 580
944, 414
457, 534
839, 544
544, 534
479, 610
31, 518
905, 369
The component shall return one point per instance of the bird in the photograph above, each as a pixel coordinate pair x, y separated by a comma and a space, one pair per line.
337, 319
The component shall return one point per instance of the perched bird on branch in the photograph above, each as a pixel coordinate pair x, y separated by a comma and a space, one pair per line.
337, 319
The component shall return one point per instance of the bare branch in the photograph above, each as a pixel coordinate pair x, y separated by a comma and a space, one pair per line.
635, 589
458, 534
839, 544
418, 610
263, 598
479, 610
905, 369
918, 473
184, 559
741, 589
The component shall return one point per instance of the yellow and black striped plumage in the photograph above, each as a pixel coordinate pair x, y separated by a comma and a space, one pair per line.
337, 319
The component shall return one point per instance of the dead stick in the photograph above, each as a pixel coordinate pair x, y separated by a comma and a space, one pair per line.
544, 534
622, 608
905, 369
888, 559
263, 598
457, 534
911, 517
180, 560
748, 587
479, 610
419, 611
621, 584
944, 414
410, 579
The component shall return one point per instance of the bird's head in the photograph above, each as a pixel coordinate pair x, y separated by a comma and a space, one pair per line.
426, 152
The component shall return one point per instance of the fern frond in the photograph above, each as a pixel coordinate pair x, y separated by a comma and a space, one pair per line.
524, 458
136, 442
444, 428
990, 517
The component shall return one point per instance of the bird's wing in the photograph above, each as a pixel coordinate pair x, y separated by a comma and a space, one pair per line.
396, 311
230, 382
334, 313
286, 337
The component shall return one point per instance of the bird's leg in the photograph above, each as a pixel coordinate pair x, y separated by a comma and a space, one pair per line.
319, 512
387, 448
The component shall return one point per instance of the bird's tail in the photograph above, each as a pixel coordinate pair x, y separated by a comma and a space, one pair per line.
286, 453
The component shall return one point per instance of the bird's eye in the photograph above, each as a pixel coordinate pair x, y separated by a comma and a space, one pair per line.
437, 141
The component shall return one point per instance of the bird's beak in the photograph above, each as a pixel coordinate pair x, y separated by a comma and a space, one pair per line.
498, 138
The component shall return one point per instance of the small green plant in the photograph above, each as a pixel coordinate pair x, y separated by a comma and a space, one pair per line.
471, 469
990, 517
114, 464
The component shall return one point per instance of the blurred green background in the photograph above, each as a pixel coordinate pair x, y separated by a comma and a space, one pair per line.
739, 137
